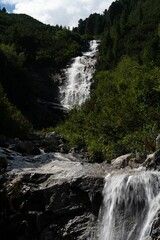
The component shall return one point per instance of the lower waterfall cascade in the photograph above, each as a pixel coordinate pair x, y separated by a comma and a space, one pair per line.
57, 195
78, 77
130, 206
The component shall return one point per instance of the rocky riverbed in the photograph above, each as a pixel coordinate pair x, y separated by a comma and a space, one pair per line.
47, 192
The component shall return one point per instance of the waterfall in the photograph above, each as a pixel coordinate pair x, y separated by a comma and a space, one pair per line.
76, 87
131, 202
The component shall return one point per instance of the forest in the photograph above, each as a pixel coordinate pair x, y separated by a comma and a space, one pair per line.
123, 112
31, 56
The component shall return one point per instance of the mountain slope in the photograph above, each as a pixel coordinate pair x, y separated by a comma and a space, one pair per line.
31, 54
128, 27
123, 112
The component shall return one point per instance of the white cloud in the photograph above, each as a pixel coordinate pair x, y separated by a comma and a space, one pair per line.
61, 12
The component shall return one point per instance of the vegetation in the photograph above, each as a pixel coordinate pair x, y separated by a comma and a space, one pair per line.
123, 112
31, 55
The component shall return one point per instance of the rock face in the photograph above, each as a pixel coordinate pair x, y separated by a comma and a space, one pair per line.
36, 143
153, 161
55, 195
49, 196
155, 230
122, 161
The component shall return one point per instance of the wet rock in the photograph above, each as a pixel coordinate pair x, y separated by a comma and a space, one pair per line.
55, 195
52, 142
36, 143
59, 199
155, 230
63, 148
122, 161
153, 161
27, 147
36, 136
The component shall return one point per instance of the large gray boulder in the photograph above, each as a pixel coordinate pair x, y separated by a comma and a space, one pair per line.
52, 196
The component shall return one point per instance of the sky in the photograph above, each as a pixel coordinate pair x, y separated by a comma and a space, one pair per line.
61, 12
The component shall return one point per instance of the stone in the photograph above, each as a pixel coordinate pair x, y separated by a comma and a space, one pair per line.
27, 147
52, 142
53, 137
57, 200
56, 196
158, 142
3, 162
155, 229
122, 161
63, 148
153, 161
36, 136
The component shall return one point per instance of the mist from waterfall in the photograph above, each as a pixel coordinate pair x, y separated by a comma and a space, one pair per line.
131, 202
75, 88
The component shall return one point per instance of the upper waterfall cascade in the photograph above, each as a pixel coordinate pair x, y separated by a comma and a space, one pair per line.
78, 76
131, 202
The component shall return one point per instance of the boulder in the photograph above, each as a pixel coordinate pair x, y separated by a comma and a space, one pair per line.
155, 229
27, 147
56, 195
153, 161
36, 136
52, 142
122, 161
57, 200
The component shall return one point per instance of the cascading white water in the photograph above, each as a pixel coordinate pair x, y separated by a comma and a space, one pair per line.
131, 201
78, 76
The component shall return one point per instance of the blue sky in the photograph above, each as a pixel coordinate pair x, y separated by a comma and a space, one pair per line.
61, 12
8, 7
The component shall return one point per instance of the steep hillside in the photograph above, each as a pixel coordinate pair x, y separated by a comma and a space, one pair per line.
123, 112
132, 28
126, 28
31, 54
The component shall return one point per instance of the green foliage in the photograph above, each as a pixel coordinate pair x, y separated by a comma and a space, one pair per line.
9, 56
31, 54
91, 26
132, 29
32, 38
129, 27
122, 114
